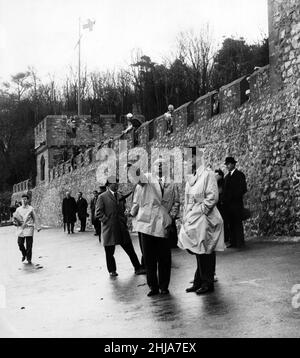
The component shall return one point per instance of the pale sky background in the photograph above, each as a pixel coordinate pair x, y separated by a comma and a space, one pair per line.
43, 33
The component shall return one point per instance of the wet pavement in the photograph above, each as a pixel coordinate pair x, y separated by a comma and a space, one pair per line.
67, 292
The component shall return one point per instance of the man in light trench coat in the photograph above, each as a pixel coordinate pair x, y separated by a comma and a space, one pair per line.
202, 231
158, 203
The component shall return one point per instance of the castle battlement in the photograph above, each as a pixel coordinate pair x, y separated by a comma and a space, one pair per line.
227, 99
255, 118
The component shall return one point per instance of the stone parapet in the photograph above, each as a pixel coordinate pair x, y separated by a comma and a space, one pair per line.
234, 94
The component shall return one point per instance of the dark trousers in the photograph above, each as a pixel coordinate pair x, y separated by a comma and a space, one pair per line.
142, 250
233, 229
157, 255
97, 226
70, 227
173, 236
26, 252
128, 248
82, 223
206, 265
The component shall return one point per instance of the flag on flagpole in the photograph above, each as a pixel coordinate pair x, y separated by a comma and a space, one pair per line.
89, 25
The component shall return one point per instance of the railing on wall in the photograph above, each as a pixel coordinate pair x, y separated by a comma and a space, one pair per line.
22, 186
76, 162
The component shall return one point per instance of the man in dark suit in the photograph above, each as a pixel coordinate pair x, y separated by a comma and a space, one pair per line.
234, 189
94, 221
110, 210
69, 209
82, 206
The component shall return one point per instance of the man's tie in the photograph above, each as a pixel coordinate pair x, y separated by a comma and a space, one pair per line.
161, 186
116, 195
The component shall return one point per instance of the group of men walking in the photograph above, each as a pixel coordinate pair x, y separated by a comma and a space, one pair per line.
212, 215
71, 207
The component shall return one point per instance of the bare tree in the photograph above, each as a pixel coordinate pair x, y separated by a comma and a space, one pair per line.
197, 51
21, 83
34, 92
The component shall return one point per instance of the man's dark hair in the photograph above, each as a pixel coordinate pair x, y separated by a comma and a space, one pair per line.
25, 196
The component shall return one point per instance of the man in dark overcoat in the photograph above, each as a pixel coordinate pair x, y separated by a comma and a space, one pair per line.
234, 189
82, 206
94, 221
110, 210
69, 209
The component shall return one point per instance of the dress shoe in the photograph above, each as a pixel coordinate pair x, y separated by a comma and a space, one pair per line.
152, 293
191, 289
230, 246
113, 274
23, 258
165, 291
204, 289
140, 271
29, 262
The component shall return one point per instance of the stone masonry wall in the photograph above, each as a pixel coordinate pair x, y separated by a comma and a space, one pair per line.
260, 129
57, 135
40, 133
264, 137
284, 42
262, 133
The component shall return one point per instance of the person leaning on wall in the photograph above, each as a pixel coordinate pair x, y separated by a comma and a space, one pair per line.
169, 116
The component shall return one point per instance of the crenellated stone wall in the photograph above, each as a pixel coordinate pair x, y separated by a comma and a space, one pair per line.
256, 119
262, 133
234, 95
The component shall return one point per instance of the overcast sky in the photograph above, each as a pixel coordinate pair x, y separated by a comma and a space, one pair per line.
43, 33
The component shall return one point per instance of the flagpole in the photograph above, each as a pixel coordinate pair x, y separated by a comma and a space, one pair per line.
79, 82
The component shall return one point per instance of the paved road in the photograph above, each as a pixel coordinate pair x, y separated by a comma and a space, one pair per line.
71, 295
